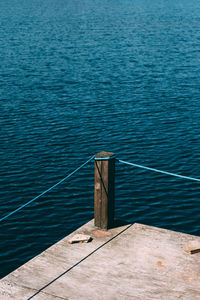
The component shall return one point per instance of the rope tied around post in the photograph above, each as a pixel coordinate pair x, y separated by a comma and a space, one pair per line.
104, 186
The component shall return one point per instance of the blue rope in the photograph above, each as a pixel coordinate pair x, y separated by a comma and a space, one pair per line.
105, 158
158, 171
49, 189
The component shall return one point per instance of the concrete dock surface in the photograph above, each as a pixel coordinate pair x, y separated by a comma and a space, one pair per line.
127, 262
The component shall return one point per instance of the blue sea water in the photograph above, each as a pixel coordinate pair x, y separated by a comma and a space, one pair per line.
78, 77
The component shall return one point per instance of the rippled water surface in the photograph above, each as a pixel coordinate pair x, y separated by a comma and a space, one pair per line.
78, 77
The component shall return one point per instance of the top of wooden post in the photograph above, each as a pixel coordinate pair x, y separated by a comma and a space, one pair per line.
104, 155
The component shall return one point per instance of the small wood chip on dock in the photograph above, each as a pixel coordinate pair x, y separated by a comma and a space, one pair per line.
79, 238
193, 247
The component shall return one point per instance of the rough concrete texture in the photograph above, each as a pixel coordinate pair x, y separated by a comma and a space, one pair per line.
129, 262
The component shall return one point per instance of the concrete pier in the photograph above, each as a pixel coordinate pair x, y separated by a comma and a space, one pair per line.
127, 262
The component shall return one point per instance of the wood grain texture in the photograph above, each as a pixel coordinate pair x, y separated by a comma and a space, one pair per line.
104, 190
129, 262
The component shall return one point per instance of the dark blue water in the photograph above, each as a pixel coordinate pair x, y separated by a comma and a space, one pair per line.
78, 77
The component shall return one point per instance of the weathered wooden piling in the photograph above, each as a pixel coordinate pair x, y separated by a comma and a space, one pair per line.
104, 190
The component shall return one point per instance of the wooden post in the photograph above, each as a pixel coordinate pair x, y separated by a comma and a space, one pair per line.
104, 190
